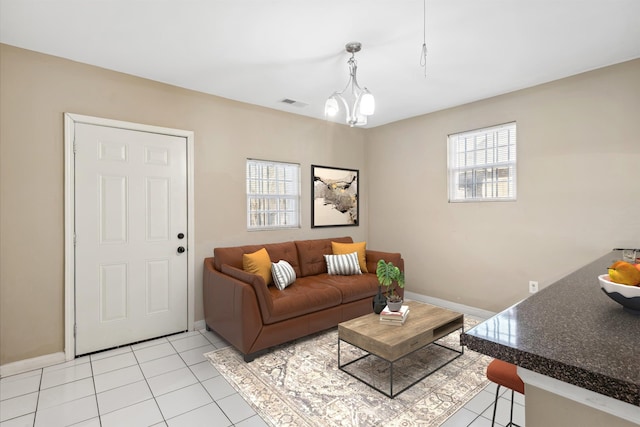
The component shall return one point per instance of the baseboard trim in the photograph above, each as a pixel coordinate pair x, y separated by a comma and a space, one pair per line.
199, 325
31, 364
465, 309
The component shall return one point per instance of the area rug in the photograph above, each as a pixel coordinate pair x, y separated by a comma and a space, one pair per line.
299, 383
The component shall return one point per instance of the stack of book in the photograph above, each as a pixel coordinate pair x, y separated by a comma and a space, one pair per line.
397, 318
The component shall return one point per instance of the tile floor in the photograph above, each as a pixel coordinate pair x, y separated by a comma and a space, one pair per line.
164, 382
479, 410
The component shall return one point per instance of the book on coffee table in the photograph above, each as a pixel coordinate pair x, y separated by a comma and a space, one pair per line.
394, 317
393, 322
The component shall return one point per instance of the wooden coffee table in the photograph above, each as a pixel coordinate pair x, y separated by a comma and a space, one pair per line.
426, 324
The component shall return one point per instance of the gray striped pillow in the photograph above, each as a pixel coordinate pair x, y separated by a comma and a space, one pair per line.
283, 274
343, 265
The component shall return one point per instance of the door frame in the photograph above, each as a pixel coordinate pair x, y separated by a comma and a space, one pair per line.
70, 120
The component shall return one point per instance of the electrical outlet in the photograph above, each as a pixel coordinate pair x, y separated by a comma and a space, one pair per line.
533, 286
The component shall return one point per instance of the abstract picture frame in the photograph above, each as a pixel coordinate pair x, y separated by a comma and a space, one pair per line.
335, 197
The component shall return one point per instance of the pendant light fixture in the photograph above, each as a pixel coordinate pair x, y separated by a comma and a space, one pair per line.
358, 103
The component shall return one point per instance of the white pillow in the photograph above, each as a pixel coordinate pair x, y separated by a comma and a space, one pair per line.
283, 274
343, 265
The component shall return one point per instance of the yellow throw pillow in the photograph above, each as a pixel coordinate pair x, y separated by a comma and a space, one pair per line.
258, 263
347, 248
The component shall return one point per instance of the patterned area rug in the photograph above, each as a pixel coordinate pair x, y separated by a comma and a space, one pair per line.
299, 383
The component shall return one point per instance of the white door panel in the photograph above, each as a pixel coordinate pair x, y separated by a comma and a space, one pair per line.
131, 204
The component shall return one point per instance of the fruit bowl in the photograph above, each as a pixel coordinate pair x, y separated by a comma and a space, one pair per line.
627, 296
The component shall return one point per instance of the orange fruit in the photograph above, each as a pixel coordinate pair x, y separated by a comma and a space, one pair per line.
624, 273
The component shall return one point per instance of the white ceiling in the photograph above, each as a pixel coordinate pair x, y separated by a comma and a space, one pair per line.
261, 51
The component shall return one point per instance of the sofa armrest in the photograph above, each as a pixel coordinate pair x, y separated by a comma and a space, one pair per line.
231, 308
256, 282
374, 256
396, 258
241, 275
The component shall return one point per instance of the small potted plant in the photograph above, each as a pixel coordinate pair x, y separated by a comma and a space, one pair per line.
390, 276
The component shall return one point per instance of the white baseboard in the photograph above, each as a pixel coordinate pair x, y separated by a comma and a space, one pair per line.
199, 325
30, 364
464, 309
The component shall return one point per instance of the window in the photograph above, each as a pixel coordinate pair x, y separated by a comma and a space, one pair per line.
273, 195
482, 164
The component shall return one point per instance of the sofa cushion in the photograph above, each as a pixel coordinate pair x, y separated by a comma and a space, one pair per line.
311, 254
277, 251
284, 251
343, 265
283, 274
352, 288
346, 248
258, 263
306, 295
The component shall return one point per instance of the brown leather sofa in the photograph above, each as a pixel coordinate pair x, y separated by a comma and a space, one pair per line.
253, 316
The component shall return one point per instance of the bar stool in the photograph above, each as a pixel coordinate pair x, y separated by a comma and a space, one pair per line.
504, 374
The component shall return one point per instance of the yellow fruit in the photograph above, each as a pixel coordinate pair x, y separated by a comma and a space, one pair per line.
624, 273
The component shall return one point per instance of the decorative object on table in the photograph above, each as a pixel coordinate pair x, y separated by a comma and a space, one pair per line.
630, 255
335, 196
624, 273
379, 301
396, 318
358, 103
626, 295
390, 276
300, 384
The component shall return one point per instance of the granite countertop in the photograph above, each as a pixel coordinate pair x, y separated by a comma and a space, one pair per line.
570, 331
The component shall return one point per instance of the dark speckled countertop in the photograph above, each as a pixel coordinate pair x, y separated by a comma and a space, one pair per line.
570, 331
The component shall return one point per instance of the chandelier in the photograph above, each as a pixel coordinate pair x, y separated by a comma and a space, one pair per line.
358, 103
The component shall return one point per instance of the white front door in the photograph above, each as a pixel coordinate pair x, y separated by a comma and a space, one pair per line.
131, 236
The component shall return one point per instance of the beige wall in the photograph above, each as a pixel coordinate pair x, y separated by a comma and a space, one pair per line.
579, 156
37, 89
578, 190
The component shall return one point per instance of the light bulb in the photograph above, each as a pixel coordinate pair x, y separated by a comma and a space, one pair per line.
331, 107
367, 104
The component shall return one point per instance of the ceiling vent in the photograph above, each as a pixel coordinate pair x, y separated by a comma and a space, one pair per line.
293, 102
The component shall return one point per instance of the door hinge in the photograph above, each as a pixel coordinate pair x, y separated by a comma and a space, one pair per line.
75, 330
74, 239
75, 147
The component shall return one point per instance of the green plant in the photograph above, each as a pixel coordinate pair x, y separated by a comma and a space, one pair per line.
390, 276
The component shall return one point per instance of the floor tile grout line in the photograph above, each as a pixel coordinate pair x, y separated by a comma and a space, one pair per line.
202, 385
149, 386
95, 392
35, 412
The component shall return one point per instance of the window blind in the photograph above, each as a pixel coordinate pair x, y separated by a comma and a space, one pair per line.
482, 164
273, 195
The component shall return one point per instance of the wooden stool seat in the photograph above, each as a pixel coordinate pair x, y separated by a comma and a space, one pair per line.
506, 375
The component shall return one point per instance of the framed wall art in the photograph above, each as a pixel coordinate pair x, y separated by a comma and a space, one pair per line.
335, 196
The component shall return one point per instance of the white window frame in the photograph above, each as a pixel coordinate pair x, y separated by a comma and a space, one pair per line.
482, 164
273, 195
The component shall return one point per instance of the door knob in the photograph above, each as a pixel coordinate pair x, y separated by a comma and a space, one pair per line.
180, 235
181, 249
